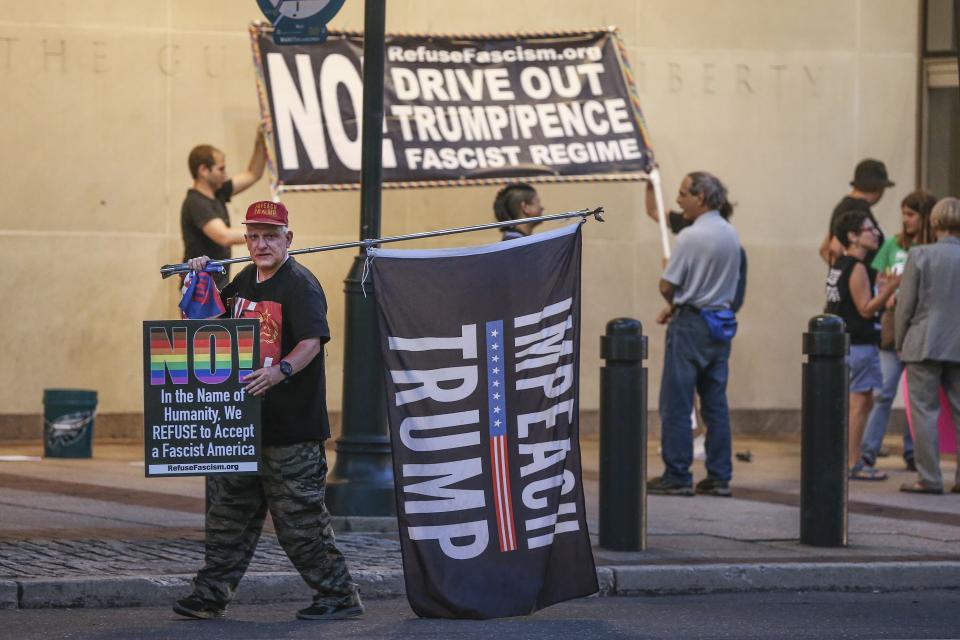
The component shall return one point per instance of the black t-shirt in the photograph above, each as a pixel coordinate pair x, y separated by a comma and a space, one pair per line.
840, 302
850, 203
678, 223
291, 307
198, 210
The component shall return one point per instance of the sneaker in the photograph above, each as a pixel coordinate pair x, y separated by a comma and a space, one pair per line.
910, 464
194, 607
714, 487
352, 608
660, 487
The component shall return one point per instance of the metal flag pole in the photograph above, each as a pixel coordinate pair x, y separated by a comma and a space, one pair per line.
168, 270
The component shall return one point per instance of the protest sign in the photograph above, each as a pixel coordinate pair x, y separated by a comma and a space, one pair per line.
459, 109
198, 419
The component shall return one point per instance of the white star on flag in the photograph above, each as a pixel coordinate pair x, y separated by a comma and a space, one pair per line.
493, 333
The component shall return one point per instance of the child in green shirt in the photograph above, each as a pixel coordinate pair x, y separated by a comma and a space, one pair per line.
891, 258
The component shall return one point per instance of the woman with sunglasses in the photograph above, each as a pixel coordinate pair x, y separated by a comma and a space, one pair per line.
850, 294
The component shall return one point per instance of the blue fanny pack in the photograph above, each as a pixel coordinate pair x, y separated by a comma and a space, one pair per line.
721, 322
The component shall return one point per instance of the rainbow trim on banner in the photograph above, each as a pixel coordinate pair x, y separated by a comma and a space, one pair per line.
212, 358
168, 354
245, 351
278, 188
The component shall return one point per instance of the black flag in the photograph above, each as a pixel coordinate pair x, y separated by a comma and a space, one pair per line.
481, 350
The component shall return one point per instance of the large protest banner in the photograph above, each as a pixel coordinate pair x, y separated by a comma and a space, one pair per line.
197, 417
458, 109
483, 398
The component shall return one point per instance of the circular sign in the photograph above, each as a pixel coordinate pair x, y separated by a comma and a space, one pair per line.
299, 21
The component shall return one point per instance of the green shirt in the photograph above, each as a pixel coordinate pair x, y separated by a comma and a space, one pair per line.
890, 255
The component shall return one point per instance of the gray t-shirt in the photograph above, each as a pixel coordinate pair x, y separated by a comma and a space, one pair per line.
705, 264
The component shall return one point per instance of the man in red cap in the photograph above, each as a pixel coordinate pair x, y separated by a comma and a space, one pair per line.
290, 304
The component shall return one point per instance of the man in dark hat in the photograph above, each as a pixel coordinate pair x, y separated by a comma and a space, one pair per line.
292, 310
869, 182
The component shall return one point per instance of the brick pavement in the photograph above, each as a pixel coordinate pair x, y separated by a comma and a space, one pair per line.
43, 558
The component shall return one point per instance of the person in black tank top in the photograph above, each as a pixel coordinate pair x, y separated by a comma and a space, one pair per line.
850, 290
516, 201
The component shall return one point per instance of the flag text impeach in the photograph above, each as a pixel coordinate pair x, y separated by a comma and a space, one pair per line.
449, 480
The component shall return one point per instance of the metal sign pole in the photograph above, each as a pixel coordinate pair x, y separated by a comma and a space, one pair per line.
168, 270
361, 481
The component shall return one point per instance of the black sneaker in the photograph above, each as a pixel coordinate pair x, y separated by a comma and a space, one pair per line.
194, 607
910, 464
352, 608
714, 487
660, 487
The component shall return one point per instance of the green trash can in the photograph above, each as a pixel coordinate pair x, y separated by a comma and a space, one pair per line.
68, 422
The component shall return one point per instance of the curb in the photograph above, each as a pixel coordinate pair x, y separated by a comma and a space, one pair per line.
262, 588
801, 576
364, 524
155, 591
9, 591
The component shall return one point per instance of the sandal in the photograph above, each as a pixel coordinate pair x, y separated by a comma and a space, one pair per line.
869, 474
918, 487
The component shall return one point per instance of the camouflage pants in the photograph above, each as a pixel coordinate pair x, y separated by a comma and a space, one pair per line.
291, 485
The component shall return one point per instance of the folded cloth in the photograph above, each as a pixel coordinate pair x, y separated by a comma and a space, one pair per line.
201, 298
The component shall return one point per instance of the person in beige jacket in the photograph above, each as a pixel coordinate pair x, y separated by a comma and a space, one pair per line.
928, 306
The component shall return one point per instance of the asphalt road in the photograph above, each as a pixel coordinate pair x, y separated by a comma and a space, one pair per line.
929, 614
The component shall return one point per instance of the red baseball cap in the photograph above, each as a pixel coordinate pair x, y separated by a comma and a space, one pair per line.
266, 212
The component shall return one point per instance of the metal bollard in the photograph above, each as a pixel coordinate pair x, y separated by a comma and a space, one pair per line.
824, 423
623, 437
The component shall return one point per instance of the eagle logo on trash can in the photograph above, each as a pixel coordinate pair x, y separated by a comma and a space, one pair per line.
68, 429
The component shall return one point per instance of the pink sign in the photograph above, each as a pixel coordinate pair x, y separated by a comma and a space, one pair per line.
945, 426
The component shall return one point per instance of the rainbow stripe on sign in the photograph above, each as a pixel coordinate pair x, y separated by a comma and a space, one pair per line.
168, 354
212, 361
245, 351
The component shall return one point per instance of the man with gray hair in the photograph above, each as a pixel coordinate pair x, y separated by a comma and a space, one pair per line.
291, 308
699, 283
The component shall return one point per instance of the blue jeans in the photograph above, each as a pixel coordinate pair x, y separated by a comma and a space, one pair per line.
883, 399
694, 361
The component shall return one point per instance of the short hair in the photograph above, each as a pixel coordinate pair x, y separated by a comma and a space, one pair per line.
201, 156
714, 192
506, 205
850, 221
946, 216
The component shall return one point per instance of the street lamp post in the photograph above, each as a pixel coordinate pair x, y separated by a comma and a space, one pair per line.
361, 481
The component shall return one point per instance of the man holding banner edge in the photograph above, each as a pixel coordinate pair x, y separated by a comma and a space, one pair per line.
291, 307
700, 284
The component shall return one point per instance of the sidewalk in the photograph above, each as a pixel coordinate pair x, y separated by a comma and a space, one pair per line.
96, 533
